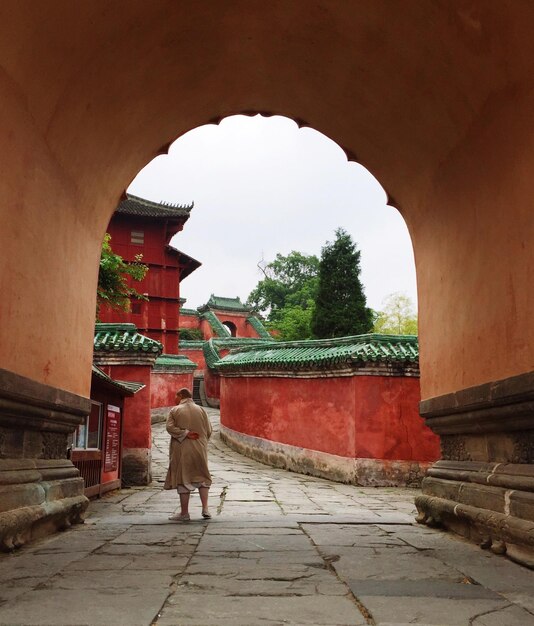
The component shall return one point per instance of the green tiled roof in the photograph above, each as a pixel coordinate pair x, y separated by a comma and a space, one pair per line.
224, 304
259, 327
189, 312
191, 344
123, 338
133, 387
345, 352
128, 388
211, 354
176, 362
213, 347
133, 205
217, 326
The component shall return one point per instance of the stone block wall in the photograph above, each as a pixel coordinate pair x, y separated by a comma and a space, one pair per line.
40, 489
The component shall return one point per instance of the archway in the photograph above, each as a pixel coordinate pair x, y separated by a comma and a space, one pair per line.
452, 146
232, 328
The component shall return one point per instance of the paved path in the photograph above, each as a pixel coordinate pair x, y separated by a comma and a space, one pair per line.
281, 549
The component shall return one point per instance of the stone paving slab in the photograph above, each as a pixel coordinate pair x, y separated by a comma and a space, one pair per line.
110, 579
426, 588
253, 543
279, 584
439, 612
84, 607
281, 548
218, 610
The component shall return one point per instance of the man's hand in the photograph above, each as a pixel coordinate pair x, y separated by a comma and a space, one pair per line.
192, 435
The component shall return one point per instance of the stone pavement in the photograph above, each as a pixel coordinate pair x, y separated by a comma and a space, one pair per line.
281, 549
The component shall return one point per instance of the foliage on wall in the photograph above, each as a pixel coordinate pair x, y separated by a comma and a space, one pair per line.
114, 289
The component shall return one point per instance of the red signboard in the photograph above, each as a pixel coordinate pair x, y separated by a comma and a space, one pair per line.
113, 439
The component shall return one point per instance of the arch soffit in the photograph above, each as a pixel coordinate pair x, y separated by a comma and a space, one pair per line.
378, 81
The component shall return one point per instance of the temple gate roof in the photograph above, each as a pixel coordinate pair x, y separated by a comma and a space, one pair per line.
224, 304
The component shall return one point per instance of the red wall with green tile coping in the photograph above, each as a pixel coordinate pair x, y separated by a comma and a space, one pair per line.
372, 417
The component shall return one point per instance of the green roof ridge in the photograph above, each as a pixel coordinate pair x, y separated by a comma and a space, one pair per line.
212, 347
123, 338
336, 353
211, 354
216, 325
191, 344
175, 362
257, 325
184, 311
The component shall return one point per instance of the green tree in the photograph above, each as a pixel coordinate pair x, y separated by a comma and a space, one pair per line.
341, 307
190, 334
294, 322
113, 276
289, 281
398, 316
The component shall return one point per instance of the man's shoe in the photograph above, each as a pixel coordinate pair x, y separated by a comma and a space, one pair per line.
180, 518
206, 514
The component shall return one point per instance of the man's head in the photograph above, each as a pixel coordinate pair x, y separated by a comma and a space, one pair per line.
181, 394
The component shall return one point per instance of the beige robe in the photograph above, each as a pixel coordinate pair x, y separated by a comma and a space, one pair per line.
188, 458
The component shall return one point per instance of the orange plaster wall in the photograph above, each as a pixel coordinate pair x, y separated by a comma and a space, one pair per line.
436, 99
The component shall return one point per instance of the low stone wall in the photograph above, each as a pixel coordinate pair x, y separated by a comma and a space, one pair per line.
363, 472
40, 489
483, 488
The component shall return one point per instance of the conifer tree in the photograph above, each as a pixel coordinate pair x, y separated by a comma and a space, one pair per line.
341, 307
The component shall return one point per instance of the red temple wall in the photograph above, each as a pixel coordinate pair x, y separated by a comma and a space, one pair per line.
387, 420
137, 426
189, 321
212, 384
165, 385
354, 417
243, 329
197, 356
206, 329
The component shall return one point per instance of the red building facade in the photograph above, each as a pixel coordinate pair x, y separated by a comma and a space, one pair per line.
221, 325
141, 227
124, 354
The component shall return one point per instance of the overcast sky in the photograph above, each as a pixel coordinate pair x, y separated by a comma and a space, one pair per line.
262, 186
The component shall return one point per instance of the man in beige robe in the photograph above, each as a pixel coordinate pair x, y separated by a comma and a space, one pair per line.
190, 429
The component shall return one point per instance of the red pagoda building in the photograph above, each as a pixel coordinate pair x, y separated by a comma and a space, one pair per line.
140, 226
